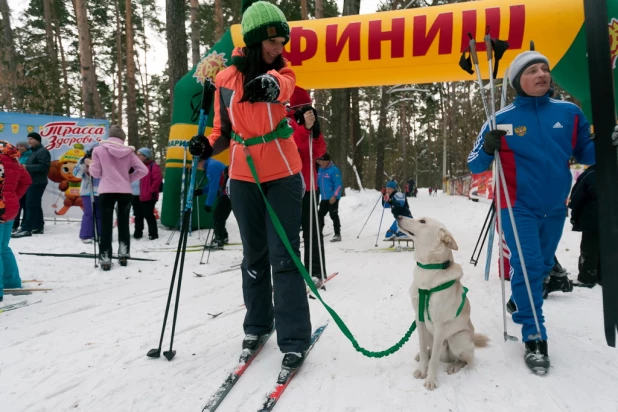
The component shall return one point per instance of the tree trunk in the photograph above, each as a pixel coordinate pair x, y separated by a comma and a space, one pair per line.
176, 43
320, 96
131, 82
380, 147
341, 111
145, 82
52, 55
7, 58
90, 94
356, 136
405, 137
119, 63
195, 33
219, 27
319, 9
66, 92
304, 13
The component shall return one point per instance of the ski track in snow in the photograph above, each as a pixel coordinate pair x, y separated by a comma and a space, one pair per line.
83, 348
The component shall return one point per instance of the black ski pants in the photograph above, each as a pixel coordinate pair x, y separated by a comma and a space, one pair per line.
589, 258
220, 215
333, 211
263, 249
108, 202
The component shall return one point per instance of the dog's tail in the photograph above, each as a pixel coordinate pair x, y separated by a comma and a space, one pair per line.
480, 340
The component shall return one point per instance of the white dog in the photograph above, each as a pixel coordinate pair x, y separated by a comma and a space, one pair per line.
445, 331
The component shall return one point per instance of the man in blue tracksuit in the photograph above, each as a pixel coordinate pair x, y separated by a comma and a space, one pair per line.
216, 175
398, 203
329, 183
536, 137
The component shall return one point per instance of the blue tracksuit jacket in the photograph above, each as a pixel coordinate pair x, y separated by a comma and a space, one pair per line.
213, 168
329, 182
542, 135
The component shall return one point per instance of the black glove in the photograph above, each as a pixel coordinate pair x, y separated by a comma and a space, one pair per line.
198, 192
493, 141
264, 88
200, 146
299, 115
207, 208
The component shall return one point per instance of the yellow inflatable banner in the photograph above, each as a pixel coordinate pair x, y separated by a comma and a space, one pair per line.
423, 45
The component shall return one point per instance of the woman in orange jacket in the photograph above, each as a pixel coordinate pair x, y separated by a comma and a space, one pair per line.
250, 117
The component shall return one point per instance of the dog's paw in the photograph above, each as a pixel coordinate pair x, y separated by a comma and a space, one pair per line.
420, 373
431, 384
418, 355
455, 367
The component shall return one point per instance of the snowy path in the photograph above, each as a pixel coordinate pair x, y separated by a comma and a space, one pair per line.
83, 348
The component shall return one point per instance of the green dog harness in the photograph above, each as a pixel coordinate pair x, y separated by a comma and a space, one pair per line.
282, 131
425, 294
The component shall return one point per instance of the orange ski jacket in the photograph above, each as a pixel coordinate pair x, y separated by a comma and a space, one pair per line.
273, 160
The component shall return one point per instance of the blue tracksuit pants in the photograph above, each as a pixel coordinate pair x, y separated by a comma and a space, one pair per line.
539, 238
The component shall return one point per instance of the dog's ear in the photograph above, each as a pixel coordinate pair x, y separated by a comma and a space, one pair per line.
448, 239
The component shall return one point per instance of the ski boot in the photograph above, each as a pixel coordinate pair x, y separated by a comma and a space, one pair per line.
107, 266
553, 283
536, 356
123, 260
511, 307
293, 360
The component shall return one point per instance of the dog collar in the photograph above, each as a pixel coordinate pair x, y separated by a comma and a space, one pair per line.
443, 265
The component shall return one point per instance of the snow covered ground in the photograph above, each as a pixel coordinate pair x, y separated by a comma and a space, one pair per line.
83, 347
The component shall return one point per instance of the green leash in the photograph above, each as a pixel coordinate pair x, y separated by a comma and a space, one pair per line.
305, 274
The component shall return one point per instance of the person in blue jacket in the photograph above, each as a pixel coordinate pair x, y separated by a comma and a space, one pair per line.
330, 185
216, 175
535, 138
398, 204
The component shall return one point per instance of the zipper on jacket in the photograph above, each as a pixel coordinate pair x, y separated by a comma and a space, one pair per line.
272, 127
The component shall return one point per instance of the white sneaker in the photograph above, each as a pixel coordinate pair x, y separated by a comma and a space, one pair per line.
87, 241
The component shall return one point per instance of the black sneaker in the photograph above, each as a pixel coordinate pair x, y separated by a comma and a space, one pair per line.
555, 284
336, 238
22, 233
38, 231
216, 243
137, 236
123, 260
536, 356
293, 360
153, 237
511, 306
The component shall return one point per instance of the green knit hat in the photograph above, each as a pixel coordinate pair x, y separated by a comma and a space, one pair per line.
262, 20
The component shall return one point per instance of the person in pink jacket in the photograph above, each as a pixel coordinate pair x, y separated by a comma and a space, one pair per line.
117, 166
149, 188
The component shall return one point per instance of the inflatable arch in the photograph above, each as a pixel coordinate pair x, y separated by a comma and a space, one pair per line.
420, 45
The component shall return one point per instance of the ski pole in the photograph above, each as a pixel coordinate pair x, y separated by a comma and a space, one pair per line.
205, 246
474, 260
519, 250
490, 123
368, 217
492, 228
211, 239
313, 209
380, 227
207, 96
